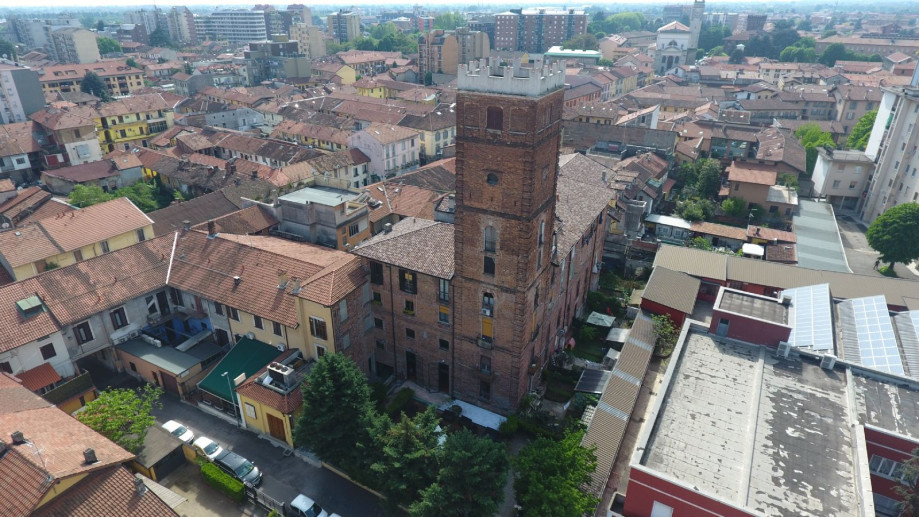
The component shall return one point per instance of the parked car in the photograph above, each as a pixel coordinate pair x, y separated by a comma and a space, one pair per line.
239, 467
179, 431
207, 447
305, 507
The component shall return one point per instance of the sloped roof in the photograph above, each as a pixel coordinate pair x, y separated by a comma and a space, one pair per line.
747, 173
84, 172
39, 377
17, 138
673, 289
582, 197
22, 483
196, 210
674, 26
247, 221
247, 357
416, 244
108, 492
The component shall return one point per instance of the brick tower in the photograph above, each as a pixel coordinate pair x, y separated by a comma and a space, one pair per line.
507, 143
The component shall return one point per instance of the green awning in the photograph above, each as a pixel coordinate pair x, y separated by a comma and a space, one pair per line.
247, 357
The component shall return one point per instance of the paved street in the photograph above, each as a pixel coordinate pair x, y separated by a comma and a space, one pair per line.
858, 253
283, 477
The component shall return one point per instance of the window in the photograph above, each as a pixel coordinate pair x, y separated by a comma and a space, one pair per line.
443, 315
104, 246
443, 291
488, 301
485, 390
119, 319
353, 229
890, 469
346, 342
218, 308
376, 273
381, 344
409, 307
661, 510
378, 323
83, 332
489, 266
320, 350
491, 239
250, 410
5, 367
141, 236
343, 310
773, 209
494, 118
276, 328
836, 184
444, 344
485, 364
232, 313
176, 296
407, 281
736, 187
377, 298
852, 184
257, 321
410, 333
133, 367
491, 178
317, 328
487, 329
47, 351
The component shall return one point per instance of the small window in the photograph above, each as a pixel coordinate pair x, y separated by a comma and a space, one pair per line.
133, 367
485, 390
353, 229
250, 410
444, 344
488, 301
47, 351
491, 178
443, 292
232, 313
489, 266
491, 239
343, 310
346, 342
318, 328
104, 246
410, 333
377, 298
376, 273
83, 332
141, 236
443, 315
409, 307
5, 367
485, 364
408, 281
381, 344
320, 350
276, 328
119, 319
176, 296
494, 118
378, 323
218, 308
257, 321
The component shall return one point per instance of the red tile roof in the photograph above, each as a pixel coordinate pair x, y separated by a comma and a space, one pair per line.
84, 172
285, 403
39, 377
746, 173
107, 492
22, 483
247, 221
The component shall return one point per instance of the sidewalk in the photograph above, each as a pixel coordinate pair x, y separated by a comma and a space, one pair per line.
203, 500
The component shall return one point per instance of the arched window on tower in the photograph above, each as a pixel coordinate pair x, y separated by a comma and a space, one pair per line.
494, 118
491, 239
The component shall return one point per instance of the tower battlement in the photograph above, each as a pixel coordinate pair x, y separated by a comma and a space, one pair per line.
491, 76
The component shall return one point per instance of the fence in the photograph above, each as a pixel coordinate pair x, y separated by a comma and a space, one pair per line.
265, 501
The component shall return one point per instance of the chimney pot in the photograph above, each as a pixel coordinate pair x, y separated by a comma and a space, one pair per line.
139, 485
186, 225
90, 456
211, 228
18, 438
387, 227
236, 280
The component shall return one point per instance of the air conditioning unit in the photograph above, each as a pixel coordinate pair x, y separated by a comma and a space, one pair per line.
134, 334
828, 362
486, 312
783, 350
281, 347
250, 335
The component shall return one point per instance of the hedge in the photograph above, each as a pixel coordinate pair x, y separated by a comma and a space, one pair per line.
223, 482
399, 402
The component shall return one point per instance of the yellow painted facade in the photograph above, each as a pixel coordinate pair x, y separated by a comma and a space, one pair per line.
131, 129
429, 140
120, 84
59, 487
74, 404
89, 251
292, 337
314, 345
260, 421
348, 74
377, 92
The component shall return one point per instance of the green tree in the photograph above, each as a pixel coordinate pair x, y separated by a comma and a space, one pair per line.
108, 45
381, 30
788, 180
811, 138
665, 331
8, 49
160, 38
410, 457
130, 62
142, 194
187, 68
470, 481
708, 177
909, 491
449, 21
582, 42
100, 26
550, 474
338, 419
83, 196
92, 84
695, 209
736, 56
895, 234
858, 138
834, 52
700, 243
734, 207
713, 36
123, 415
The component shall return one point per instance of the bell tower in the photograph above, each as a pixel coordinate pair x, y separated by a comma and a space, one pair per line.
507, 143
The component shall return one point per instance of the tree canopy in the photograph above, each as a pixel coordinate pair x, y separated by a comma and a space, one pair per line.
734, 207
694, 210
93, 85
123, 415
616, 23
838, 52
108, 45
7, 49
470, 482
895, 234
811, 138
582, 42
802, 51
713, 36
909, 491
449, 21
410, 457
549, 476
147, 196
858, 138
160, 38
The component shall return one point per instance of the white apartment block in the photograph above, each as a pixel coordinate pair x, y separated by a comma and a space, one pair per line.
841, 177
233, 25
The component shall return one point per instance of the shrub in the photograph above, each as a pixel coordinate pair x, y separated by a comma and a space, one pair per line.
223, 482
508, 428
378, 395
399, 402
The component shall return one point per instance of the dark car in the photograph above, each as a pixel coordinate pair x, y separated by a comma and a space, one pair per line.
239, 467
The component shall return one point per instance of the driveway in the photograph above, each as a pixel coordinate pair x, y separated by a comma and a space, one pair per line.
859, 254
283, 476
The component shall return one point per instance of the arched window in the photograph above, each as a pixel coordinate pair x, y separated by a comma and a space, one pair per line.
491, 239
494, 118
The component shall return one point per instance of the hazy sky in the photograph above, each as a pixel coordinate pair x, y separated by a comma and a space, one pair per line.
70, 4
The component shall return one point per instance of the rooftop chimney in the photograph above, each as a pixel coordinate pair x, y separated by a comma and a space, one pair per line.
295, 286
282, 279
211, 228
90, 456
186, 225
3, 447
387, 227
255, 174
139, 485
18, 438
237, 280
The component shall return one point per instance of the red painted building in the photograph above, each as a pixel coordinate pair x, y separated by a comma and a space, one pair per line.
750, 318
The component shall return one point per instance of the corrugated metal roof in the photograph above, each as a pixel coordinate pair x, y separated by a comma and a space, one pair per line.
695, 262
672, 289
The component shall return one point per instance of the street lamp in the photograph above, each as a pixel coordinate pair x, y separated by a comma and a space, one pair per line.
232, 397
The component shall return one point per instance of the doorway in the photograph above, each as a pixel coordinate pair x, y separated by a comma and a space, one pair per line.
411, 370
443, 378
276, 427
723, 325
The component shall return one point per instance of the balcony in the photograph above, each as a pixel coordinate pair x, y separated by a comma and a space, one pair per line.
80, 351
486, 342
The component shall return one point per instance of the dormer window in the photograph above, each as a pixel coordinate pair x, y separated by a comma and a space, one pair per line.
31, 306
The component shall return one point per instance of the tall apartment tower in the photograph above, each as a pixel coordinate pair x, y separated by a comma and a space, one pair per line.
344, 26
695, 28
507, 142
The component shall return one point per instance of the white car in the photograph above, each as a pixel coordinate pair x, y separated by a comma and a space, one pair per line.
207, 447
305, 507
179, 431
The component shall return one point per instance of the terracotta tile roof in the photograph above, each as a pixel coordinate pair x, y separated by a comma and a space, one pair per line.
243, 222
107, 492
404, 200
779, 145
443, 117
123, 160
23, 203
194, 141
6, 184
355, 57
17, 138
68, 118
416, 244
84, 172
134, 104
39, 377
582, 197
77, 71
71, 231
720, 230
784, 253
22, 483
285, 403
769, 234
386, 134
60, 437
748, 173
289, 128
53, 207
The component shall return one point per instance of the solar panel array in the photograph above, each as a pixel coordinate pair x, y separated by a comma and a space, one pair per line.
812, 317
877, 343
